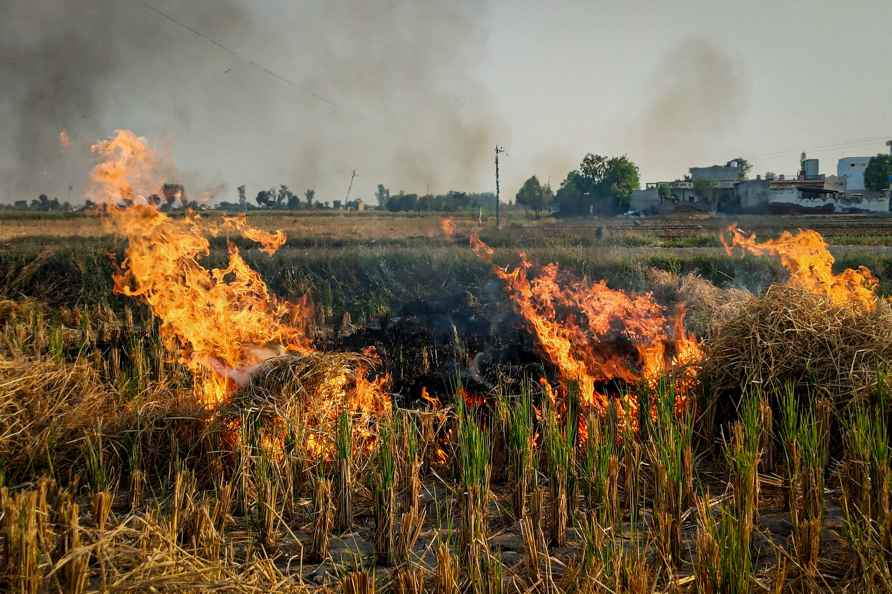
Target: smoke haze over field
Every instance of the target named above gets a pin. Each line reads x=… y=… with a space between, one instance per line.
x=415 y=94
x=388 y=88
x=702 y=99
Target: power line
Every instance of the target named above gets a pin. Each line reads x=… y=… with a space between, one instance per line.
x=236 y=54
x=855 y=142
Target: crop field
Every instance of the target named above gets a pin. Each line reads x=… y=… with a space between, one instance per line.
x=370 y=402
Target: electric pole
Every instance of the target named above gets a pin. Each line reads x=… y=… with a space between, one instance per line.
x=499 y=150
x=350 y=187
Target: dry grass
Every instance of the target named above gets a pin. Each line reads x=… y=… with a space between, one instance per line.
x=788 y=335
x=297 y=400
x=706 y=305
x=45 y=406
x=113 y=480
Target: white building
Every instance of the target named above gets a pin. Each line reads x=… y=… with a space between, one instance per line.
x=852 y=169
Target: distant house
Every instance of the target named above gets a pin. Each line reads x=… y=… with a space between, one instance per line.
x=797 y=195
x=646 y=201
x=357 y=205
x=852 y=170
x=723 y=176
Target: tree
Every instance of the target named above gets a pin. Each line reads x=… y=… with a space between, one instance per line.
x=601 y=184
x=309 y=196
x=533 y=195
x=283 y=196
x=876 y=176
x=382 y=195
x=572 y=197
x=622 y=179
x=705 y=190
x=242 y=198
x=743 y=165
x=264 y=199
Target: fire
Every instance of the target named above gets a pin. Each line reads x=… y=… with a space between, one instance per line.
x=808 y=260
x=595 y=335
x=447 y=227
x=222 y=322
x=64 y=139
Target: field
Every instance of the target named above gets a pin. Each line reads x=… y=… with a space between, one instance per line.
x=445 y=418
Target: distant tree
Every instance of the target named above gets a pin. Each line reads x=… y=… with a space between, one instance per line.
x=282 y=196
x=705 y=190
x=533 y=196
x=293 y=201
x=876 y=176
x=547 y=196
x=573 y=197
x=242 y=197
x=402 y=202
x=382 y=195
x=601 y=184
x=622 y=178
x=309 y=196
x=743 y=165
x=264 y=199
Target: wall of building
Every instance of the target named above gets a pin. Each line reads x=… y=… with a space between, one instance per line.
x=753 y=195
x=792 y=197
x=716 y=173
x=852 y=169
x=645 y=200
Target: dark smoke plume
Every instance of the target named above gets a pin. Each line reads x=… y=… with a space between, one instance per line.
x=255 y=93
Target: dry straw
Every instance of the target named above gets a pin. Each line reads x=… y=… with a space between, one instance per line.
x=789 y=335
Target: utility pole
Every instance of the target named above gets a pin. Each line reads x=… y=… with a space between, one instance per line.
x=350 y=187
x=499 y=150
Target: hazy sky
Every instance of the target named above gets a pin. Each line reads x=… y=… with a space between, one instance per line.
x=414 y=94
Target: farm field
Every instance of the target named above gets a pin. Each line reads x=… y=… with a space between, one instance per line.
x=408 y=404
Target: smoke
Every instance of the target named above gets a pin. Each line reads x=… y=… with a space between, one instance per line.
x=64 y=66
x=255 y=93
x=699 y=94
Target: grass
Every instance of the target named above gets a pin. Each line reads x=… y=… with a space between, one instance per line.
x=112 y=479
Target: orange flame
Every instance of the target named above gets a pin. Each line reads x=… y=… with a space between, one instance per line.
x=808 y=260
x=222 y=322
x=594 y=335
x=447 y=227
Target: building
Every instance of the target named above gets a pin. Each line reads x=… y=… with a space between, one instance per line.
x=726 y=191
x=852 y=170
x=646 y=201
x=725 y=175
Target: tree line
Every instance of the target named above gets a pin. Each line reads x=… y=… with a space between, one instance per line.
x=452 y=201
x=600 y=185
x=878 y=173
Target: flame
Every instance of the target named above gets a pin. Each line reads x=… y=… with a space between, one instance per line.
x=447 y=227
x=807 y=258
x=64 y=139
x=595 y=335
x=470 y=399
x=221 y=322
